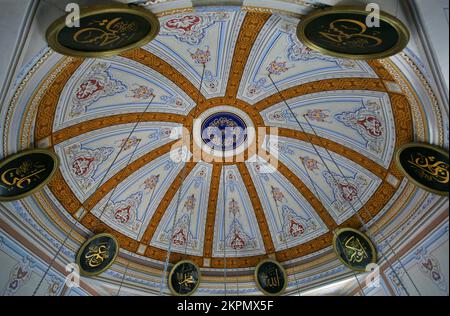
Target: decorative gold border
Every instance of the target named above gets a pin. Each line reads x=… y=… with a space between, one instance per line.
x=282 y=270
x=59 y=24
x=172 y=271
x=401 y=29
x=348 y=229
x=43 y=183
x=400 y=167
x=86 y=243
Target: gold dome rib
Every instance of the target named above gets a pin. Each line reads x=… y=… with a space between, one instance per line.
x=250 y=29
x=99 y=123
x=166 y=70
x=126 y=172
x=337 y=148
x=257 y=208
x=212 y=208
x=164 y=204
x=367 y=84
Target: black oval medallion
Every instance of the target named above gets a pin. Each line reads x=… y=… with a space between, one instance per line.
x=425 y=165
x=184 y=278
x=104 y=31
x=97 y=254
x=25 y=173
x=354 y=249
x=343 y=32
x=270 y=277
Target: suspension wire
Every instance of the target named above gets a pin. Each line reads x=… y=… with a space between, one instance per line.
x=166 y=263
x=123 y=278
x=73 y=225
x=223 y=215
x=366 y=211
x=54 y=5
x=331 y=173
x=234 y=215
x=285 y=239
x=323 y=203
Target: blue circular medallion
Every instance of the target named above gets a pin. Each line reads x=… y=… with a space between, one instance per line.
x=224 y=125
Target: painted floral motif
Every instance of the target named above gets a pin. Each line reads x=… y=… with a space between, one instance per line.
x=275 y=146
x=125 y=212
x=201 y=56
x=96 y=84
x=277 y=195
x=20 y=274
x=211 y=81
x=296 y=51
x=233 y=208
x=367 y=122
x=173 y=101
x=237 y=238
x=182 y=235
x=190 y=202
x=396 y=282
x=54 y=285
x=318 y=115
x=141 y=92
x=294 y=225
x=281 y=116
x=151 y=182
x=84 y=162
x=277 y=67
x=128 y=143
x=256 y=87
x=190 y=28
x=430 y=266
x=346 y=190
x=310 y=163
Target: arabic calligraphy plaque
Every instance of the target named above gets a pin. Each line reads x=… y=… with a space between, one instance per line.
x=343 y=32
x=103 y=31
x=184 y=278
x=97 y=254
x=270 y=277
x=25 y=173
x=425 y=165
x=354 y=249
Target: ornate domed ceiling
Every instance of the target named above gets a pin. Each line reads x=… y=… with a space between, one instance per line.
x=281 y=200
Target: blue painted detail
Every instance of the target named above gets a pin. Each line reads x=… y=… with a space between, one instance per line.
x=234 y=127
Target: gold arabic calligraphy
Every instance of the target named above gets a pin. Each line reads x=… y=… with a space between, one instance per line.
x=354 y=250
x=22 y=176
x=97 y=254
x=185 y=279
x=350 y=33
x=432 y=168
x=106 y=32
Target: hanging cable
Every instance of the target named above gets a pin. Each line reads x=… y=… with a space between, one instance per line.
x=183 y=178
x=223 y=216
x=326 y=166
x=72 y=227
x=363 y=209
x=320 y=199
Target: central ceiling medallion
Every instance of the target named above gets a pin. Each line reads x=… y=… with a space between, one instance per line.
x=223 y=131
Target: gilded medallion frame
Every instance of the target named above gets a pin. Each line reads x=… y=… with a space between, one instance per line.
x=176 y=265
x=42 y=184
x=283 y=270
x=85 y=244
x=399 y=26
x=372 y=247
x=60 y=23
x=410 y=178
